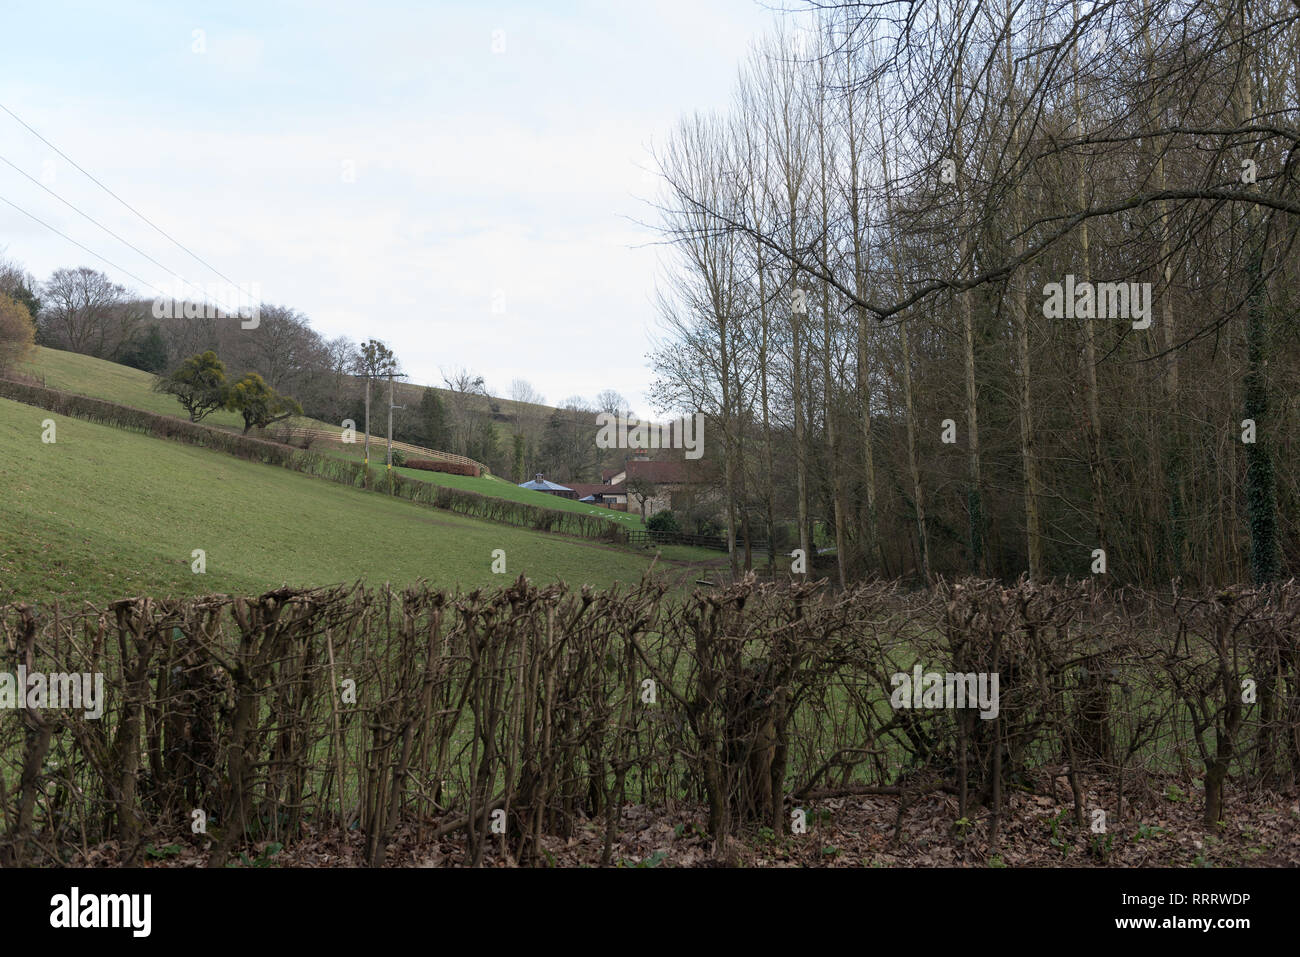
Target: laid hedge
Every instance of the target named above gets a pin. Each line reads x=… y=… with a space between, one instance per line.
x=505 y=511
x=162 y=426
x=451 y=468
x=473 y=504
x=770 y=696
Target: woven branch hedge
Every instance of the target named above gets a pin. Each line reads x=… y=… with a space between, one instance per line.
x=546 y=708
x=325 y=467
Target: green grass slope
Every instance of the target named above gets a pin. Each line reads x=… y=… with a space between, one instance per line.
x=104 y=513
x=100 y=379
x=500 y=488
x=83 y=375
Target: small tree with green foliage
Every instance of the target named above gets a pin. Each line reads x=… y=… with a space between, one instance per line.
x=199 y=385
x=374 y=359
x=259 y=404
x=517 y=467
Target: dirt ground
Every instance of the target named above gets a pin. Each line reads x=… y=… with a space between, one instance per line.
x=1161 y=827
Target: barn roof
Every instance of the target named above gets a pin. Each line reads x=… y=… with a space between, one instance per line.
x=586 y=488
x=540 y=484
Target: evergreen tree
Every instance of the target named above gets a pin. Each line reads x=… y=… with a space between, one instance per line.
x=484 y=445
x=199 y=385
x=518 y=467
x=433 y=421
x=148 y=353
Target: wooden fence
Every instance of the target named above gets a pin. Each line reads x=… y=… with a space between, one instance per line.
x=714 y=542
x=336 y=437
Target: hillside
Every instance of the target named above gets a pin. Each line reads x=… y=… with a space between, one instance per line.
x=103 y=513
x=73 y=372
x=84 y=375
x=501 y=488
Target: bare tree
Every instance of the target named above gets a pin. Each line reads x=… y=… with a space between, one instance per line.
x=612 y=402
x=85 y=311
x=1024 y=145
x=283 y=347
x=521 y=390
x=467 y=393
x=705 y=308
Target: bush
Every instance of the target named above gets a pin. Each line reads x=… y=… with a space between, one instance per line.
x=451 y=468
x=710 y=528
x=17 y=333
x=199 y=384
x=664 y=521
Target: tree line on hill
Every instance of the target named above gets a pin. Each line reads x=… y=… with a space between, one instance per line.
x=288 y=368
x=875 y=243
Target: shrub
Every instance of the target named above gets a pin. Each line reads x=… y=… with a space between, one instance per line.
x=17 y=332
x=710 y=527
x=451 y=468
x=664 y=521
x=723 y=654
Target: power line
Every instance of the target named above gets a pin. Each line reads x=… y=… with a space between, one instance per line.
x=79 y=245
x=118 y=198
x=125 y=242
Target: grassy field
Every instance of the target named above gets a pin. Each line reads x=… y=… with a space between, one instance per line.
x=491 y=485
x=104 y=513
x=83 y=375
x=71 y=372
x=500 y=488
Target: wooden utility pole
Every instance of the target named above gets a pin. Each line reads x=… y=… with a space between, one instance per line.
x=366 y=455
x=388 y=455
x=374 y=359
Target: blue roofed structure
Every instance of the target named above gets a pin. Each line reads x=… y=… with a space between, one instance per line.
x=540 y=484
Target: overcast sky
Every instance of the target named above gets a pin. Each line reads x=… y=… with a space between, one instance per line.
x=376 y=165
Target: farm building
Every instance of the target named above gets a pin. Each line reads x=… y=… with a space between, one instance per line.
x=652 y=486
x=540 y=484
x=612 y=496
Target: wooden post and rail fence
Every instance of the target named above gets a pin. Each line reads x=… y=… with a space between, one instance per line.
x=716 y=542
x=415 y=451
